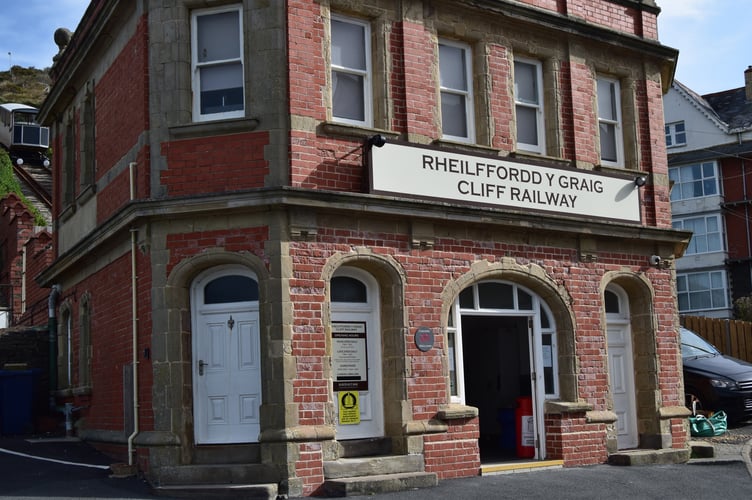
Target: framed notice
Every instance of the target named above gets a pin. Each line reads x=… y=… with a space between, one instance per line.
x=349 y=356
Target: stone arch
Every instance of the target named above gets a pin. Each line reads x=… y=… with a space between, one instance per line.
x=640 y=294
x=536 y=280
x=391 y=279
x=172 y=352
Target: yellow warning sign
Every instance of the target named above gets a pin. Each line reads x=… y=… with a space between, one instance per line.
x=349 y=407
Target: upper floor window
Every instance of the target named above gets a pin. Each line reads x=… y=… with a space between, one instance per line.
x=456 y=86
x=528 y=104
x=676 y=135
x=351 y=71
x=217 y=63
x=609 y=122
x=699 y=291
x=693 y=181
x=706 y=235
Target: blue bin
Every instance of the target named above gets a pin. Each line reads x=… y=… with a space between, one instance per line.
x=16 y=396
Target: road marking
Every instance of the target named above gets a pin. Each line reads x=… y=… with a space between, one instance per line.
x=64 y=462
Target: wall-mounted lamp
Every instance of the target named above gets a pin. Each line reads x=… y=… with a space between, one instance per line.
x=655 y=260
x=640 y=180
x=377 y=140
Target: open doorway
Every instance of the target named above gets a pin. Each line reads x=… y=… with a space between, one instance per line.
x=502 y=354
x=497 y=377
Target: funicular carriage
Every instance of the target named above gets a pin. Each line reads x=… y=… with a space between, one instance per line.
x=21 y=135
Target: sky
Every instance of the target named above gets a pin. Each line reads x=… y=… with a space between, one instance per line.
x=713 y=37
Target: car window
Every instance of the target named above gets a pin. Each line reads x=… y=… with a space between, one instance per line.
x=694 y=345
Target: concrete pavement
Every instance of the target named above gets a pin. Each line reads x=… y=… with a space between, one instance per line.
x=61 y=469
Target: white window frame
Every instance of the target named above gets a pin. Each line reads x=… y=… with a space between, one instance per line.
x=673 y=135
x=196 y=66
x=675 y=174
x=697 y=236
x=615 y=122
x=536 y=106
x=365 y=73
x=683 y=290
x=467 y=93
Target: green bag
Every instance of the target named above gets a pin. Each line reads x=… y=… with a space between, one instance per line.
x=702 y=426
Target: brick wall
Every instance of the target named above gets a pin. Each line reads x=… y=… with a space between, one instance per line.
x=215 y=164
x=109 y=292
x=122 y=102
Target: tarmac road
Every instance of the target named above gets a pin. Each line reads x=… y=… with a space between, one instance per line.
x=70 y=469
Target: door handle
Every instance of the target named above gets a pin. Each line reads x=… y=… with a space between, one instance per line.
x=201 y=365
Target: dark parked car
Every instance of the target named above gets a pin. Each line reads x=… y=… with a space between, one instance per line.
x=713 y=381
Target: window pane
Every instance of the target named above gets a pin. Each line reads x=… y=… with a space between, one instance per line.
x=221 y=88
x=709 y=186
x=683 y=302
x=525 y=83
x=545 y=322
x=719 y=298
x=231 y=289
x=452 y=67
x=452 y=363
x=700 y=300
x=608 y=141
x=524 y=300
x=606 y=100
x=495 y=296
x=346 y=289
x=716 y=280
x=527 y=128
x=690 y=172
x=348 y=48
x=453 y=118
x=714 y=242
x=699 y=281
x=348 y=96
x=611 y=302
x=467 y=301
x=218 y=36
x=681 y=283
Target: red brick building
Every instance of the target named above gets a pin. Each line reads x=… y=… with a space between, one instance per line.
x=436 y=235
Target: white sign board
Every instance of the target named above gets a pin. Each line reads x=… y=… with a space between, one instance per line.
x=349 y=356
x=424 y=172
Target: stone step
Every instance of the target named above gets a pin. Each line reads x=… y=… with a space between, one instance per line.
x=217 y=474
x=365 y=447
x=231 y=491
x=650 y=457
x=384 y=483
x=370 y=466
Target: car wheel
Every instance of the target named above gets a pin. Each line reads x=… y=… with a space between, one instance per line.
x=693 y=401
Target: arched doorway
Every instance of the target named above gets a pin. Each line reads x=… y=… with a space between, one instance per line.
x=621 y=365
x=502 y=354
x=356 y=354
x=226 y=360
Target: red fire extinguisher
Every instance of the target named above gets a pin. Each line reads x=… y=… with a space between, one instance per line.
x=525 y=427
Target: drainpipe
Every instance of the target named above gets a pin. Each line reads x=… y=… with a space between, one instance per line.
x=52 y=331
x=134 y=312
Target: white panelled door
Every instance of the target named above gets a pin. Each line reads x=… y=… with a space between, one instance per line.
x=228 y=378
x=355 y=306
x=226 y=356
x=621 y=369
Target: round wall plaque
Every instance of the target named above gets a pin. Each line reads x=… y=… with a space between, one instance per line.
x=424 y=338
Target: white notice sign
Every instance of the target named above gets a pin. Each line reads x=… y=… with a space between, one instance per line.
x=424 y=172
x=349 y=356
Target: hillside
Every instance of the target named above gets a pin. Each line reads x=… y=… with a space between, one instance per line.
x=24 y=85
